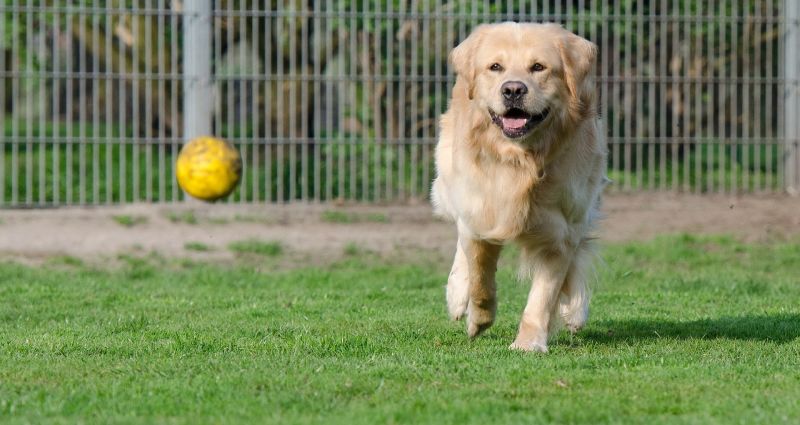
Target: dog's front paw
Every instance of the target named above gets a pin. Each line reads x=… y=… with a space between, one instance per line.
x=530 y=346
x=457 y=292
x=457 y=300
x=574 y=319
x=530 y=338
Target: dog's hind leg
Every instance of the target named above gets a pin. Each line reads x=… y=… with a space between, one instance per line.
x=550 y=268
x=573 y=305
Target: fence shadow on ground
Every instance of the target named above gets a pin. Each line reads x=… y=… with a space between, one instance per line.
x=780 y=328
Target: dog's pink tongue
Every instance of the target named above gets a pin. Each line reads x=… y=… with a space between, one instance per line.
x=514 y=123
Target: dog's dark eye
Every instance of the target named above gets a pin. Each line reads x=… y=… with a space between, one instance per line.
x=496 y=67
x=537 y=67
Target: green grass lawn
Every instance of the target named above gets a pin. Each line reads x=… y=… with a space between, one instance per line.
x=683 y=329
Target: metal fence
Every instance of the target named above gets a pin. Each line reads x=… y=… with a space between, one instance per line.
x=338 y=99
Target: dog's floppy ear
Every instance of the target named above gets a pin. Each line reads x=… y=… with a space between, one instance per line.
x=578 y=56
x=461 y=57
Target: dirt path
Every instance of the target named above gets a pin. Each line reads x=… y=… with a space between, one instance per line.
x=324 y=232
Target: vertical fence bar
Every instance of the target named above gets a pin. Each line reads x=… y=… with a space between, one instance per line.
x=346 y=73
x=734 y=89
x=109 y=116
x=698 y=96
x=652 y=141
x=674 y=73
x=685 y=133
x=605 y=74
x=638 y=123
x=197 y=88
x=291 y=134
x=432 y=88
x=613 y=100
x=147 y=73
x=431 y=132
x=82 y=109
x=96 y=167
x=70 y=68
x=780 y=98
x=770 y=130
x=662 y=22
x=243 y=78
x=227 y=126
x=400 y=132
x=175 y=132
x=365 y=165
x=161 y=29
x=380 y=142
x=122 y=117
x=304 y=125
x=627 y=124
x=414 y=92
x=721 y=101
x=220 y=83
x=320 y=26
x=791 y=90
x=15 y=96
x=330 y=146
x=280 y=111
x=254 y=89
x=389 y=118
x=41 y=142
x=135 y=72
x=27 y=90
x=713 y=87
x=746 y=135
x=757 y=97
x=82 y=180
x=3 y=117
x=352 y=114
x=268 y=111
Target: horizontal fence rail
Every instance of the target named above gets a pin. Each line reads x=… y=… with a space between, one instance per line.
x=339 y=100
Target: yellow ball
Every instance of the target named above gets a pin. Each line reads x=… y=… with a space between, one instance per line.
x=208 y=168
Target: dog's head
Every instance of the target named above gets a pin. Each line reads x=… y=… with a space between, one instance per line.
x=525 y=76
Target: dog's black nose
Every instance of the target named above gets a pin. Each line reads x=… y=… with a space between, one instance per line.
x=513 y=90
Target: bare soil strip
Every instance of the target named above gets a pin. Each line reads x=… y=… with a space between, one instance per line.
x=325 y=232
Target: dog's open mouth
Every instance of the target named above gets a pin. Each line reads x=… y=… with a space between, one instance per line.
x=516 y=123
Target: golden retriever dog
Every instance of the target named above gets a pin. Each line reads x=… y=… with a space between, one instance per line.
x=520 y=159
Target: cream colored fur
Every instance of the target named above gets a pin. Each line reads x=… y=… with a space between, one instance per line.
x=541 y=191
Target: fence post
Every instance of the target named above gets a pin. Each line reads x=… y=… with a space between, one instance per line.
x=197 y=88
x=791 y=75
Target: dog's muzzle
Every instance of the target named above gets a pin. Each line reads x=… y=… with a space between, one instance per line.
x=516 y=122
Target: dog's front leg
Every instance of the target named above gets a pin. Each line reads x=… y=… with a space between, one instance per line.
x=458 y=285
x=550 y=269
x=481 y=260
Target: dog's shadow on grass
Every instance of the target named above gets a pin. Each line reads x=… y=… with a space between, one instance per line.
x=778 y=328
